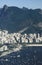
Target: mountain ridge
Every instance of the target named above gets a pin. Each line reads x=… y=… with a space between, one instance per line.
x=15 y=19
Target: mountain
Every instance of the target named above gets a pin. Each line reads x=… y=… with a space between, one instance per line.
x=16 y=19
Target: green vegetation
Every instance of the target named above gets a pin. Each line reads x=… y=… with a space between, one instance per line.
x=15 y=19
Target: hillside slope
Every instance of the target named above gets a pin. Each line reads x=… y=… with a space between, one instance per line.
x=15 y=19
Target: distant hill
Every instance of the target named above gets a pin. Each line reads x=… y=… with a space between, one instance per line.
x=16 y=19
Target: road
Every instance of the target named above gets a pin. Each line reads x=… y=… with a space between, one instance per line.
x=34 y=45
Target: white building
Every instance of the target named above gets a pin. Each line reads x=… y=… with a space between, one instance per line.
x=3 y=48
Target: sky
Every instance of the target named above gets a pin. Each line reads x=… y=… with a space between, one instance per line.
x=31 y=4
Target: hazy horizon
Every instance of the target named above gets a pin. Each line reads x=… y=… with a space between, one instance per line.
x=31 y=4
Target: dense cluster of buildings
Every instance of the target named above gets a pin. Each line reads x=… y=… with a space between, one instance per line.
x=12 y=38
x=5 y=37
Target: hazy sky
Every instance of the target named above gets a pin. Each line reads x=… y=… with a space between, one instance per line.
x=20 y=3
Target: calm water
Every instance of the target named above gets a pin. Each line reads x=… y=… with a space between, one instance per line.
x=26 y=56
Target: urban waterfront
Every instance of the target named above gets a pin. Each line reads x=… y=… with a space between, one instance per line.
x=26 y=56
x=20 y=32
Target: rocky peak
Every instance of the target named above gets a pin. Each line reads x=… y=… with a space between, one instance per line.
x=5 y=7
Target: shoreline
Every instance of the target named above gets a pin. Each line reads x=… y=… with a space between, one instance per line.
x=34 y=45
